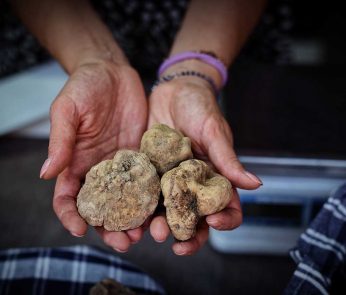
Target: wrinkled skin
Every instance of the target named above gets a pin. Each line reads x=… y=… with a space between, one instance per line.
x=188 y=105
x=192 y=190
x=120 y=194
x=165 y=147
x=102 y=108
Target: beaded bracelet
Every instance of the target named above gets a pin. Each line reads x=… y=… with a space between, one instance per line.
x=206 y=57
x=172 y=76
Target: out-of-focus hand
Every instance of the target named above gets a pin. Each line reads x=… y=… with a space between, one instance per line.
x=102 y=108
x=188 y=104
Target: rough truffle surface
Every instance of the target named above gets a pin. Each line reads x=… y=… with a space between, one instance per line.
x=120 y=194
x=190 y=191
x=165 y=147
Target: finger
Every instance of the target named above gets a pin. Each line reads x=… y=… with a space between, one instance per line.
x=147 y=223
x=135 y=234
x=159 y=229
x=191 y=246
x=63 y=117
x=64 y=204
x=229 y=218
x=119 y=241
x=220 y=151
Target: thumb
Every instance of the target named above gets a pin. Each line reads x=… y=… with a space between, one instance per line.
x=63 y=118
x=221 y=153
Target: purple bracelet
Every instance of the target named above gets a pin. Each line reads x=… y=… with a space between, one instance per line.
x=172 y=76
x=207 y=58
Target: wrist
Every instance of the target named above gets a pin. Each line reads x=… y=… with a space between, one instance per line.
x=195 y=65
x=189 y=67
x=96 y=55
x=71 y=31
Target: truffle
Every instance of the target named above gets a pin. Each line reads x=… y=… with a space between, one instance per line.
x=110 y=287
x=190 y=191
x=120 y=194
x=165 y=147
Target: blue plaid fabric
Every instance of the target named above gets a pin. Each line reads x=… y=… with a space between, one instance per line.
x=321 y=251
x=67 y=270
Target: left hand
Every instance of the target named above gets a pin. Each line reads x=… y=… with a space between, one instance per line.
x=188 y=104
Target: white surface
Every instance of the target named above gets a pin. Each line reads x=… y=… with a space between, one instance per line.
x=25 y=98
x=305 y=162
x=294 y=187
x=255 y=239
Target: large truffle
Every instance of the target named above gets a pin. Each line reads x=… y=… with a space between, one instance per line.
x=165 y=147
x=190 y=191
x=120 y=194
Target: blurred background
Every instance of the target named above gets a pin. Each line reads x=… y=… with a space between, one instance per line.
x=286 y=104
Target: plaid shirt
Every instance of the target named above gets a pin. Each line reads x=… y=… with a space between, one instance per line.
x=67 y=270
x=321 y=251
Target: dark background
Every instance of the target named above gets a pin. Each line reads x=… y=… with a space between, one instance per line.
x=298 y=108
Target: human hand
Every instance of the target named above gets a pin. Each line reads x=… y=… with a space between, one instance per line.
x=101 y=109
x=189 y=105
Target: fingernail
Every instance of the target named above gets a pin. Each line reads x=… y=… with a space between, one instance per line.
x=160 y=238
x=212 y=221
x=160 y=241
x=118 y=250
x=253 y=177
x=179 y=250
x=44 y=167
x=77 y=235
x=180 y=253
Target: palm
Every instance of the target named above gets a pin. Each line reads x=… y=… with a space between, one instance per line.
x=111 y=115
x=192 y=110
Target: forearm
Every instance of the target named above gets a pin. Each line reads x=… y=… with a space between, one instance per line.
x=221 y=27
x=70 y=30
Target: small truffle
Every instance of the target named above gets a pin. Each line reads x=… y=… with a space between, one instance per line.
x=190 y=191
x=120 y=194
x=165 y=147
x=110 y=287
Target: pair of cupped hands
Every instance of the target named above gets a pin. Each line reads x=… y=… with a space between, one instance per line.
x=103 y=108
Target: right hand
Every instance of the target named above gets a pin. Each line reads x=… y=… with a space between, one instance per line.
x=102 y=108
x=189 y=105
